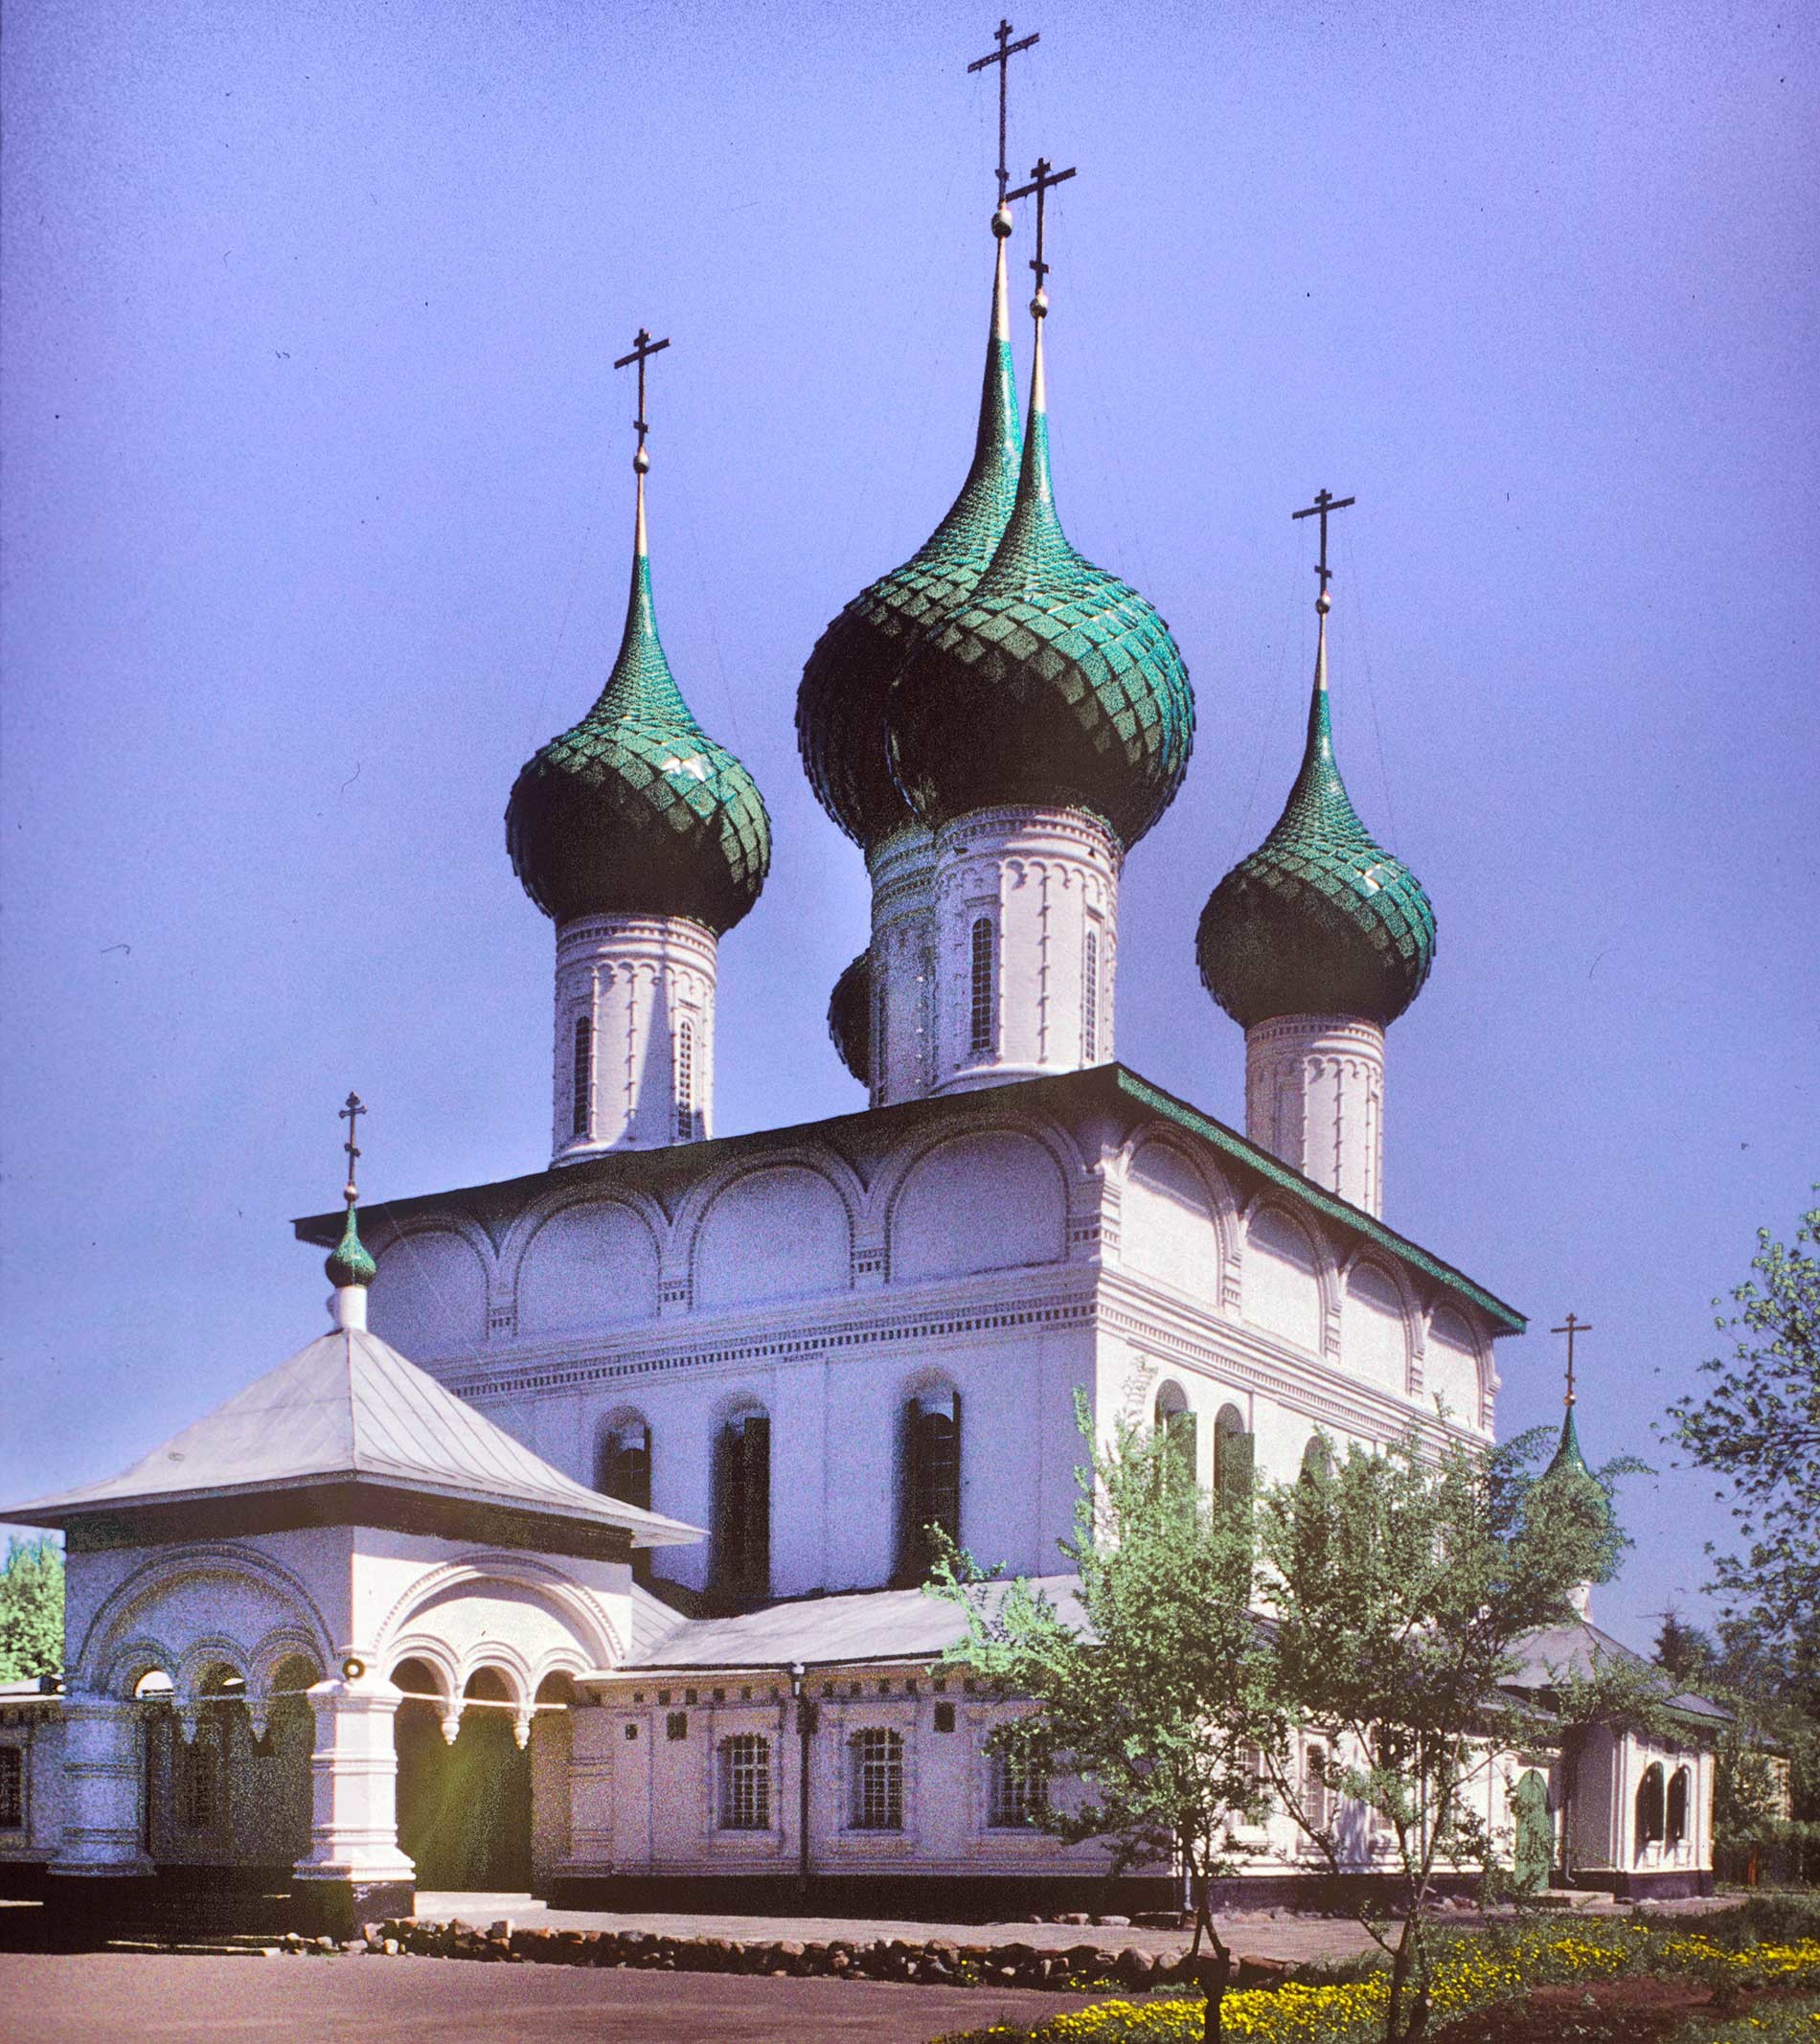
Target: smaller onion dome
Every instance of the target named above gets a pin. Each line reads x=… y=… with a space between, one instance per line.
x=850 y=1018
x=1054 y=684
x=840 y=705
x=635 y=810
x=1320 y=920
x=348 y=1261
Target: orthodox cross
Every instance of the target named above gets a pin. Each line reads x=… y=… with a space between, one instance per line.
x=1002 y=57
x=1325 y=501
x=643 y=349
x=1572 y=1327
x=1041 y=176
x=350 y=1114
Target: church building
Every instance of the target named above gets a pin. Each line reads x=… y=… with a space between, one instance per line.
x=610 y=1591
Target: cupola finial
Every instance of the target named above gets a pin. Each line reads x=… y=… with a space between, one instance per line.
x=350 y=1268
x=1002 y=57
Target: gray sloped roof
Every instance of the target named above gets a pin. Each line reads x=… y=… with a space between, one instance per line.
x=1572 y=1649
x=859 y=1626
x=350 y=1408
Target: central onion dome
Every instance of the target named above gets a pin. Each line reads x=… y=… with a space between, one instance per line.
x=1053 y=685
x=635 y=810
x=1320 y=920
x=840 y=705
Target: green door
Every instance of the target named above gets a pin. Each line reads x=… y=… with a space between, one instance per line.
x=1535 y=1834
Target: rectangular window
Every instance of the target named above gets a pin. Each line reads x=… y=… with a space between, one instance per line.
x=1317 y=1799
x=1090 y=1000
x=877 y=1781
x=745 y=1783
x=744 y=1555
x=676 y=1725
x=685 y=1082
x=582 y=1077
x=199 y=1781
x=983 y=1033
x=881 y=1047
x=1018 y=1792
x=11 y=1789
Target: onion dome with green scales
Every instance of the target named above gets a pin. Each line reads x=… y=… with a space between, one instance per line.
x=840 y=705
x=1320 y=920
x=1052 y=685
x=349 y=1261
x=850 y=1018
x=635 y=810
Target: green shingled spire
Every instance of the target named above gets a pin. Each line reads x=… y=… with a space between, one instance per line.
x=1054 y=684
x=635 y=810
x=348 y=1261
x=1320 y=920
x=1568 y=1456
x=840 y=705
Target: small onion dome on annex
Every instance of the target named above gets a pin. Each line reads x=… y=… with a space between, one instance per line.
x=846 y=679
x=635 y=810
x=1054 y=684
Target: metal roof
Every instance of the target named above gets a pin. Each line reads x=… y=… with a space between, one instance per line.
x=349 y=1407
x=1571 y=1650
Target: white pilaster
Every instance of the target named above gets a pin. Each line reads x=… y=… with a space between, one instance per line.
x=904 y=965
x=1315 y=1097
x=354 y=1832
x=644 y=986
x=103 y=1787
x=1026 y=913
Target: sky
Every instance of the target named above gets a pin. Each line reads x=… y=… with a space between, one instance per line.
x=316 y=520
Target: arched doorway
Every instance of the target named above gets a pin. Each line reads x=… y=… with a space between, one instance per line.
x=1534 y=1853
x=463 y=1809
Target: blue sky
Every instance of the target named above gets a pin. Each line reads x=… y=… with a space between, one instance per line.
x=316 y=519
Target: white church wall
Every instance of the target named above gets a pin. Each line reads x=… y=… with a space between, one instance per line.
x=1166 y=1225
x=988 y=1201
x=1280 y=1279
x=1450 y=1368
x=430 y=1296
x=779 y=1231
x=1374 y=1331
x=589 y=1265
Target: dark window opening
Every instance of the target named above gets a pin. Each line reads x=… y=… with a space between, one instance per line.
x=983 y=1032
x=582 y=1077
x=742 y=1529
x=930 y=1481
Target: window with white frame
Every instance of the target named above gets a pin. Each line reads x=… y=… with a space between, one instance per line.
x=746 y=1783
x=685 y=1082
x=1317 y=1798
x=581 y=1076
x=1017 y=1790
x=876 y=1797
x=982 y=1029
x=1090 y=1000
x=11 y=1789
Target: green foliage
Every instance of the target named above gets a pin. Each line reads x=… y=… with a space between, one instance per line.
x=1758 y=1428
x=30 y=1609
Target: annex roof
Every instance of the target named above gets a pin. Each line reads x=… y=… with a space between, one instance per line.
x=349 y=1408
x=666 y=1173
x=1572 y=1649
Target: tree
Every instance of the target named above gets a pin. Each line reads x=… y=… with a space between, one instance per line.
x=1403 y=1583
x=30 y=1609
x=1758 y=1428
x=1160 y=1704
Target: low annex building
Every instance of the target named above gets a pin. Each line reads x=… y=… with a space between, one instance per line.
x=609 y=1590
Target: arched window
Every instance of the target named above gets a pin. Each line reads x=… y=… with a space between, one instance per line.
x=1017 y=1791
x=1177 y=1424
x=685 y=1082
x=746 y=1783
x=930 y=1485
x=581 y=1076
x=1232 y=1455
x=742 y=1515
x=1090 y=1000
x=1650 y=1813
x=622 y=1467
x=11 y=1789
x=875 y=1785
x=983 y=1033
x=1317 y=1461
x=1676 y=1821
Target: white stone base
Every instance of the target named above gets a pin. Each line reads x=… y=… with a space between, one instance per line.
x=1315 y=1097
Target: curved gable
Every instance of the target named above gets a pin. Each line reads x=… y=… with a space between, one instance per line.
x=990 y=1201
x=593 y=1265
x=430 y=1295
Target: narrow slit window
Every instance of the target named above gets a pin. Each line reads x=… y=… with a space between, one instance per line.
x=685 y=1082
x=1090 y=1000
x=984 y=1017
x=880 y=1045
x=580 y=1083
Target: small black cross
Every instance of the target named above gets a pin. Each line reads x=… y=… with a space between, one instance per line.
x=1572 y=1327
x=1325 y=501
x=350 y=1114
x=1002 y=57
x=643 y=349
x=1041 y=177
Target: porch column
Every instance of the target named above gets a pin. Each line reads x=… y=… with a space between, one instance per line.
x=101 y=1869
x=354 y=1871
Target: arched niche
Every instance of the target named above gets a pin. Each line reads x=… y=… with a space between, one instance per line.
x=1282 y=1285
x=992 y=1201
x=430 y=1295
x=1167 y=1228
x=1450 y=1366
x=780 y=1232
x=590 y=1265
x=1374 y=1339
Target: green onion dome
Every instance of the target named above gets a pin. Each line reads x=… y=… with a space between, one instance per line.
x=850 y=1018
x=840 y=705
x=636 y=811
x=348 y=1262
x=1320 y=920
x=1053 y=685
